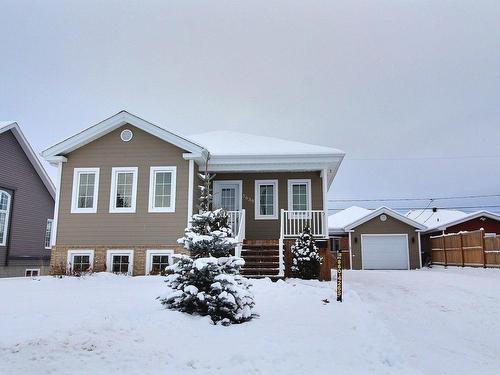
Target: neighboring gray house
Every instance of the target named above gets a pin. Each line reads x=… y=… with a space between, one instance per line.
x=26 y=206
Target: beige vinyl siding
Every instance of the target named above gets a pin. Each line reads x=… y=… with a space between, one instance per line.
x=390 y=226
x=141 y=227
x=270 y=229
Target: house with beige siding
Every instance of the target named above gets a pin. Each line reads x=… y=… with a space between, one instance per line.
x=126 y=190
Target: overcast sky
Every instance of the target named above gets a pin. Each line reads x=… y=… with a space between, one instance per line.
x=410 y=90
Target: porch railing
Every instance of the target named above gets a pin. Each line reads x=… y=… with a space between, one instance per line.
x=237 y=223
x=294 y=222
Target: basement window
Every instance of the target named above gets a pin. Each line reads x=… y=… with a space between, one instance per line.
x=32 y=272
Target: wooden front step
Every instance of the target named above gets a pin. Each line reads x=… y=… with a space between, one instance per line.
x=261 y=259
x=260 y=271
x=259 y=253
x=257 y=264
x=260 y=247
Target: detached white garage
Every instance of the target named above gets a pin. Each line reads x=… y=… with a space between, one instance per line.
x=385 y=251
x=384 y=240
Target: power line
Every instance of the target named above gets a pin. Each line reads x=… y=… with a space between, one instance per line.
x=427 y=158
x=414 y=199
x=423 y=208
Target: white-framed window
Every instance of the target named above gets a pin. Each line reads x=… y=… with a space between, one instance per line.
x=120 y=261
x=85 y=190
x=299 y=195
x=123 y=190
x=162 y=182
x=32 y=272
x=335 y=243
x=80 y=261
x=4 y=216
x=48 y=234
x=158 y=260
x=266 y=199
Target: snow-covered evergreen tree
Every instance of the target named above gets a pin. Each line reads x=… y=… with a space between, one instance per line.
x=209 y=282
x=210 y=232
x=210 y=286
x=306 y=260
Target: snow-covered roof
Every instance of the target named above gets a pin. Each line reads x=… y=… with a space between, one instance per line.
x=466 y=217
x=234 y=151
x=386 y=211
x=236 y=143
x=434 y=216
x=32 y=157
x=229 y=151
x=338 y=221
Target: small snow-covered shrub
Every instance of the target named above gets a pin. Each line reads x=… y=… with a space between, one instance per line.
x=306 y=260
x=209 y=286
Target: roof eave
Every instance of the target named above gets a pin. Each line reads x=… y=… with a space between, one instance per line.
x=113 y=122
x=387 y=211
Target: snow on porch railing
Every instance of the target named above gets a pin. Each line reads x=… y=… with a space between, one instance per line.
x=293 y=223
x=237 y=223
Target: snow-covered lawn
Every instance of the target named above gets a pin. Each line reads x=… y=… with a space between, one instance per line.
x=420 y=322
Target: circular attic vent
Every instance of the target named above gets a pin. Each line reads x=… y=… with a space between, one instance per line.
x=126 y=135
x=383 y=217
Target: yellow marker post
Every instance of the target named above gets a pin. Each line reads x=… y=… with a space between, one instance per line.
x=339 y=276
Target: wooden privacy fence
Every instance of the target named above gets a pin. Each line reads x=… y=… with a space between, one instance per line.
x=466 y=249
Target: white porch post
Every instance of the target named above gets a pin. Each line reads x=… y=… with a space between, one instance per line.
x=419 y=249
x=350 y=251
x=190 y=191
x=324 y=180
x=281 y=260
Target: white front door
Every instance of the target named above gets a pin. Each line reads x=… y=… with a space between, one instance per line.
x=227 y=195
x=384 y=252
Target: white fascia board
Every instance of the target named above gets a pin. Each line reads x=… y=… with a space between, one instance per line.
x=386 y=211
x=320 y=158
x=334 y=231
x=104 y=127
x=274 y=163
x=55 y=160
x=33 y=158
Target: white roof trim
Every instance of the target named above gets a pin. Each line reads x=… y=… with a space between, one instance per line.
x=471 y=216
x=104 y=127
x=264 y=161
x=274 y=163
x=33 y=158
x=387 y=211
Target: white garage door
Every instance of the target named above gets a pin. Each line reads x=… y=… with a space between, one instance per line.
x=384 y=252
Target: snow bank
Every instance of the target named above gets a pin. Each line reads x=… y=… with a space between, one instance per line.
x=413 y=322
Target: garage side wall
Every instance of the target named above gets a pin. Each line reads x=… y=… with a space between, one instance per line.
x=390 y=226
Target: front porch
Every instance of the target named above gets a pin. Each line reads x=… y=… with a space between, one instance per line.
x=270 y=257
